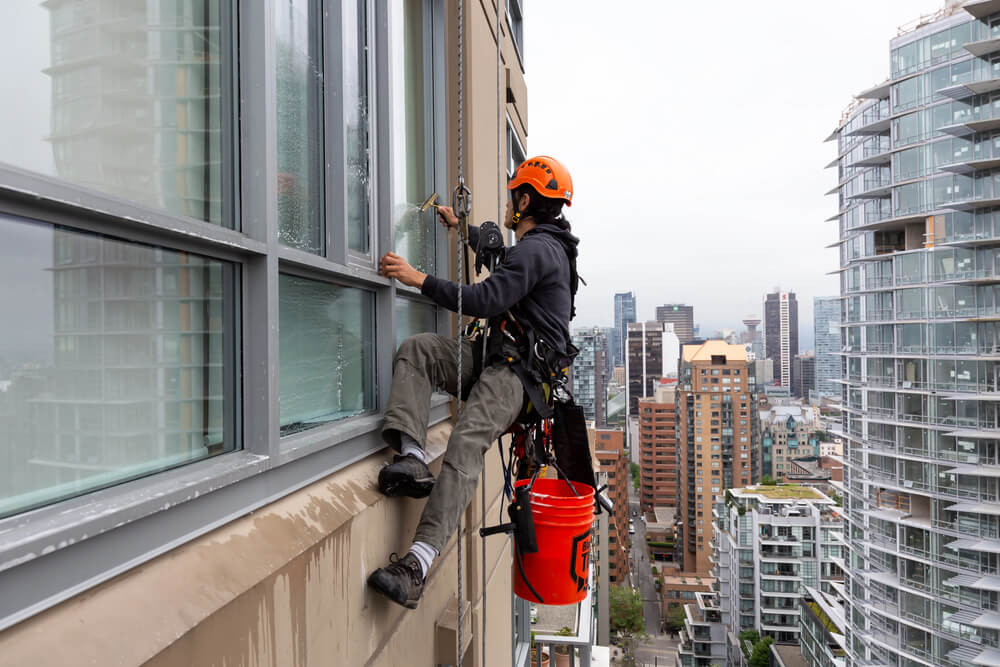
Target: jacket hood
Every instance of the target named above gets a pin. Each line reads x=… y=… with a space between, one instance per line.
x=564 y=236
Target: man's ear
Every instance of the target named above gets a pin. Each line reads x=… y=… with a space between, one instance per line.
x=524 y=202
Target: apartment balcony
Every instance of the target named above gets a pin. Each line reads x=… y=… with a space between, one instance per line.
x=875 y=120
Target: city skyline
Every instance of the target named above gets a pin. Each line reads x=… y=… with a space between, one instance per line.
x=765 y=227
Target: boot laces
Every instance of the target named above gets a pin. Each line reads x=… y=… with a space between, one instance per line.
x=404 y=567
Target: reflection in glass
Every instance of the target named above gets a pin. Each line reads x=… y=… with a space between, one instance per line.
x=356 y=119
x=327 y=357
x=413 y=317
x=413 y=162
x=116 y=367
x=299 y=96
x=122 y=97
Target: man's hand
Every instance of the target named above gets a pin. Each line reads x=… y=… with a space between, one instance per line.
x=447 y=217
x=393 y=266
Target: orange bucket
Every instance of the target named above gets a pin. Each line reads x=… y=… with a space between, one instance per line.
x=559 y=571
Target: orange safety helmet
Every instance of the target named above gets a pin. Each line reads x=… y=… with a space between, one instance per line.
x=547 y=176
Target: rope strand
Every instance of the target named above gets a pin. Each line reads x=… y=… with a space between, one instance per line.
x=461 y=267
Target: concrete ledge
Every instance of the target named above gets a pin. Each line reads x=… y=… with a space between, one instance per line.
x=268 y=588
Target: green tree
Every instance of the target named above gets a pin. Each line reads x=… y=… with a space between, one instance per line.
x=625 y=611
x=634 y=468
x=625 y=616
x=761 y=656
x=675 y=620
x=768 y=481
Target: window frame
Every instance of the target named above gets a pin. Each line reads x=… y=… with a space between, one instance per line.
x=515 y=24
x=55 y=552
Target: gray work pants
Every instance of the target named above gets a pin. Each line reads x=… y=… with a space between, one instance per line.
x=426 y=362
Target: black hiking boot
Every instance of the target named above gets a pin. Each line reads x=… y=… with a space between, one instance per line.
x=406 y=476
x=401 y=580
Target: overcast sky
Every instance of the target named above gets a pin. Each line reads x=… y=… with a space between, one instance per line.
x=694 y=133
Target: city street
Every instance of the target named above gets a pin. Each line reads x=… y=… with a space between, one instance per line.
x=643 y=574
x=659 y=649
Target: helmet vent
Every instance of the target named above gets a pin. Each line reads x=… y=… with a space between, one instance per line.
x=552 y=185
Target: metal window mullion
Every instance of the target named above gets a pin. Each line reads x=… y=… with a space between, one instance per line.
x=380 y=106
x=46 y=199
x=304 y=263
x=258 y=146
x=335 y=140
x=439 y=137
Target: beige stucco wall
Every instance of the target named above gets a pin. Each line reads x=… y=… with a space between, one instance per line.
x=282 y=586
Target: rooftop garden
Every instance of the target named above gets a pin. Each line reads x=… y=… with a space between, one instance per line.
x=784 y=492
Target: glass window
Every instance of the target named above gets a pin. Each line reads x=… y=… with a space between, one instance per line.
x=940 y=46
x=117 y=368
x=299 y=96
x=412 y=145
x=126 y=98
x=908 y=163
x=906 y=58
x=906 y=93
x=356 y=118
x=326 y=354
x=413 y=317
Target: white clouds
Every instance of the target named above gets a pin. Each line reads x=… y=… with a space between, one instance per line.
x=694 y=134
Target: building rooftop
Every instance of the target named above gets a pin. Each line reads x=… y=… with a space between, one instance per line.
x=781 y=492
x=682 y=580
x=788 y=655
x=713 y=348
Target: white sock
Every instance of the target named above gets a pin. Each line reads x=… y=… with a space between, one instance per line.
x=425 y=553
x=411 y=447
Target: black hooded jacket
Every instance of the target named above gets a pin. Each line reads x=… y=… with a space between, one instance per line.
x=533 y=280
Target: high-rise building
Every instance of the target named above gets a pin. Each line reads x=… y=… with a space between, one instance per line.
x=715 y=405
x=803 y=374
x=609 y=356
x=652 y=351
x=624 y=314
x=919 y=232
x=753 y=337
x=609 y=450
x=781 y=333
x=588 y=375
x=826 y=330
x=772 y=543
x=681 y=316
x=658 y=448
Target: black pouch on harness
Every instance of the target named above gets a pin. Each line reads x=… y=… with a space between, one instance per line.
x=570 y=444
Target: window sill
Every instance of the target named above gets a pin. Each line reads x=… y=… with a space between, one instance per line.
x=51 y=554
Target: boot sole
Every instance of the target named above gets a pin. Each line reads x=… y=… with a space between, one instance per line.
x=375 y=581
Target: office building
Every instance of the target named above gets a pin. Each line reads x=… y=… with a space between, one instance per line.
x=658 y=448
x=681 y=316
x=781 y=334
x=919 y=229
x=624 y=315
x=826 y=329
x=716 y=399
x=652 y=353
x=803 y=375
x=772 y=544
x=588 y=375
x=609 y=450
